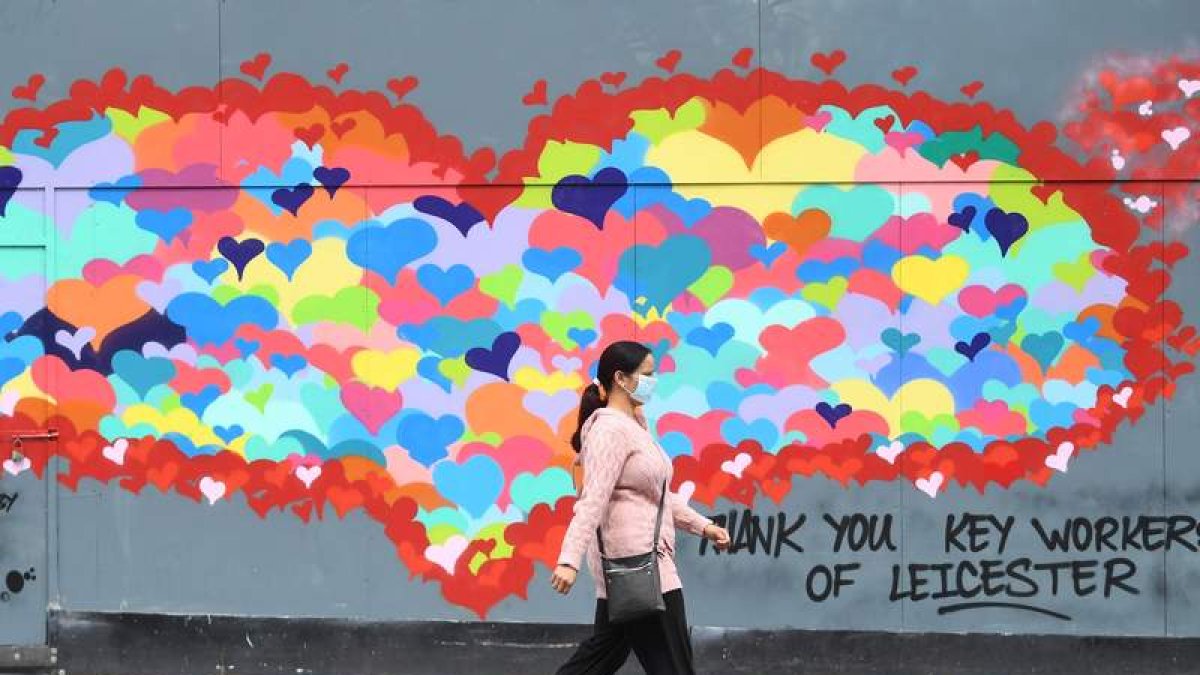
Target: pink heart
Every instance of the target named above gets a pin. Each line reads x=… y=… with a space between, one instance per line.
x=901 y=141
x=888 y=453
x=736 y=465
x=819 y=121
x=369 y=405
x=446 y=554
x=212 y=489
x=116 y=451
x=932 y=484
x=1189 y=87
x=1121 y=398
x=1058 y=461
x=308 y=474
x=1175 y=137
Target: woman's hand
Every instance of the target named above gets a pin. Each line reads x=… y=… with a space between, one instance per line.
x=563 y=578
x=717 y=535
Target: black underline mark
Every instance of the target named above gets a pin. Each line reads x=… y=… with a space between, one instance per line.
x=946 y=609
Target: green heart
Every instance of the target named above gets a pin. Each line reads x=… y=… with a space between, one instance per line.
x=1075 y=274
x=259 y=397
x=168 y=403
x=528 y=490
x=455 y=370
x=914 y=422
x=826 y=294
x=557 y=325
x=713 y=284
x=656 y=125
x=356 y=306
x=503 y=285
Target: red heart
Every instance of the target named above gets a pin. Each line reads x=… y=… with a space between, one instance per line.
x=256 y=66
x=970 y=90
x=669 y=60
x=828 y=62
x=29 y=90
x=613 y=79
x=340 y=127
x=742 y=58
x=402 y=86
x=964 y=160
x=537 y=95
x=47 y=137
x=337 y=72
x=1043 y=192
x=904 y=75
x=885 y=123
x=311 y=135
x=163 y=475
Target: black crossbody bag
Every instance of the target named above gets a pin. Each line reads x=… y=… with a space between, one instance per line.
x=632 y=583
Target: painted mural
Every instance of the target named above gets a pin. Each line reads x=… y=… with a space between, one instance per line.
x=279 y=292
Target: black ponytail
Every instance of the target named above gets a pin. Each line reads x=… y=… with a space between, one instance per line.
x=619 y=357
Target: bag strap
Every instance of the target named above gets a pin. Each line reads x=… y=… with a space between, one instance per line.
x=662 y=497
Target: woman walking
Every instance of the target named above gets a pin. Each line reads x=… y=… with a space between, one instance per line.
x=616 y=524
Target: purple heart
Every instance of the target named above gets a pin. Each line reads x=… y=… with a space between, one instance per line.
x=832 y=414
x=496 y=359
x=1007 y=228
x=590 y=198
x=159 y=295
x=76 y=341
x=330 y=178
x=976 y=345
x=462 y=216
x=962 y=219
x=10 y=178
x=292 y=199
x=240 y=253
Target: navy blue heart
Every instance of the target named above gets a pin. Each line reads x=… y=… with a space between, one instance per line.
x=10 y=178
x=1007 y=228
x=330 y=178
x=462 y=216
x=962 y=219
x=496 y=359
x=833 y=414
x=292 y=199
x=972 y=348
x=590 y=198
x=240 y=253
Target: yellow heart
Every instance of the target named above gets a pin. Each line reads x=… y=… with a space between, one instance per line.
x=530 y=379
x=385 y=370
x=929 y=397
x=930 y=280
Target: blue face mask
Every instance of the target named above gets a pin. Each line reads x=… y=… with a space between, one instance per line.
x=644 y=389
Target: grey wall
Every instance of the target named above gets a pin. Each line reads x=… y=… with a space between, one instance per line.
x=110 y=550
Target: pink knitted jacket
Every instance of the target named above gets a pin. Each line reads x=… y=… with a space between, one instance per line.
x=623 y=472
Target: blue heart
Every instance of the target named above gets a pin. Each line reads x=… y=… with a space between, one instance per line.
x=10 y=367
x=676 y=444
x=230 y=433
x=473 y=485
x=815 y=271
x=246 y=347
x=288 y=257
x=446 y=284
x=289 y=364
x=711 y=339
x=879 y=256
x=199 y=401
x=497 y=359
x=166 y=225
x=428 y=368
x=1082 y=332
x=115 y=193
x=209 y=322
x=551 y=264
x=9 y=322
x=767 y=255
x=724 y=395
x=582 y=336
x=209 y=270
x=387 y=250
x=425 y=438
x=735 y=430
x=140 y=373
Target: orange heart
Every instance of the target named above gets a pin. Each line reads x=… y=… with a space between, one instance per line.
x=798 y=232
x=105 y=308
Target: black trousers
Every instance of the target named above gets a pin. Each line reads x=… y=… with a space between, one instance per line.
x=661 y=643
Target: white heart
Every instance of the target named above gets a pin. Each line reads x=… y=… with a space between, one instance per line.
x=932 y=484
x=1175 y=137
x=1118 y=162
x=212 y=489
x=1146 y=109
x=1189 y=87
x=446 y=555
x=18 y=466
x=1121 y=398
x=116 y=452
x=1058 y=461
x=1142 y=204
x=737 y=465
x=8 y=401
x=889 y=452
x=308 y=474
x=686 y=490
